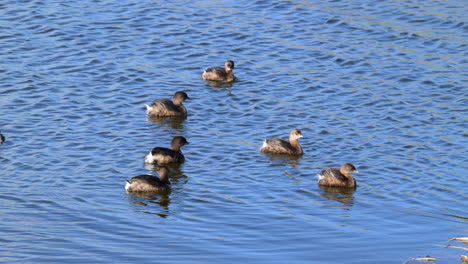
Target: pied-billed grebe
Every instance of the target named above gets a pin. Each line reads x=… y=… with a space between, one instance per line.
x=150 y=183
x=165 y=107
x=338 y=177
x=220 y=74
x=161 y=155
x=281 y=146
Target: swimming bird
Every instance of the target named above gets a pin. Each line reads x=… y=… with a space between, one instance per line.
x=161 y=156
x=338 y=177
x=165 y=107
x=2 y=138
x=281 y=146
x=220 y=74
x=150 y=183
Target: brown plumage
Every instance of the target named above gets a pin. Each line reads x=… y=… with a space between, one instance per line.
x=165 y=107
x=220 y=74
x=281 y=146
x=162 y=156
x=150 y=183
x=338 y=177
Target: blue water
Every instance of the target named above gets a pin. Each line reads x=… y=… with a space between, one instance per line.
x=382 y=85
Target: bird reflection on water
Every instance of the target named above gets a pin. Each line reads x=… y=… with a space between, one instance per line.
x=281 y=159
x=147 y=199
x=173 y=122
x=339 y=194
x=216 y=84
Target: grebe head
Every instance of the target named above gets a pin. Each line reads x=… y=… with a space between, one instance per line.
x=348 y=168
x=229 y=65
x=295 y=134
x=179 y=97
x=178 y=142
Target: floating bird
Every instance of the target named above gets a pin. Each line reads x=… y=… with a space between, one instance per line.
x=220 y=74
x=165 y=107
x=150 y=183
x=281 y=146
x=162 y=156
x=338 y=177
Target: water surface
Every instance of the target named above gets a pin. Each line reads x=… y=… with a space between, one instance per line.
x=379 y=84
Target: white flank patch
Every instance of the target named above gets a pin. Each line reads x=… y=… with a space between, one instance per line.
x=149 y=158
x=148 y=108
x=264 y=144
x=127 y=185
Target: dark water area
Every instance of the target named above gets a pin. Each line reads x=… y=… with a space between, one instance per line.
x=382 y=85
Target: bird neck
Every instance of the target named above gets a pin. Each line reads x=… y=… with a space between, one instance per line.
x=347 y=175
x=176 y=147
x=163 y=176
x=295 y=144
x=177 y=101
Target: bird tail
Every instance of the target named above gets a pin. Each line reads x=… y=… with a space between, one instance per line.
x=264 y=144
x=320 y=176
x=149 y=158
x=148 y=108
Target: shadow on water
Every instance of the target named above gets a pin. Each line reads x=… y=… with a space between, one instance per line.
x=340 y=194
x=170 y=121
